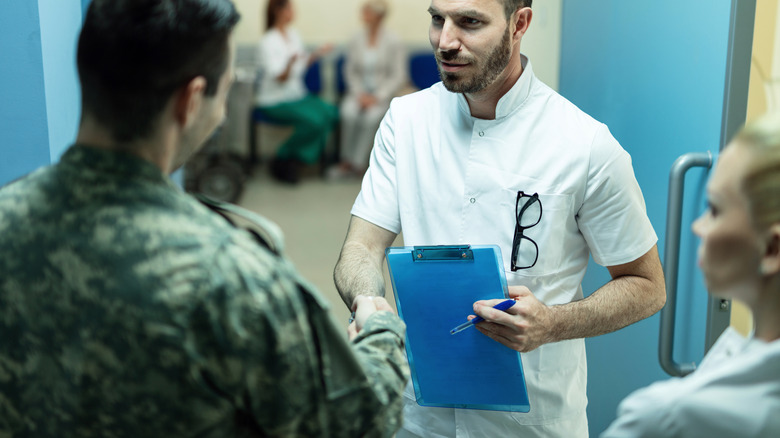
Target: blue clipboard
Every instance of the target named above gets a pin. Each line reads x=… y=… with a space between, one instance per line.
x=435 y=289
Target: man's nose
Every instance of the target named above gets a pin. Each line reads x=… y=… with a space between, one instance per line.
x=449 y=38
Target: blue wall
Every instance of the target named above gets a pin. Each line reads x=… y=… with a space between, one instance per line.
x=38 y=87
x=23 y=124
x=60 y=24
x=654 y=72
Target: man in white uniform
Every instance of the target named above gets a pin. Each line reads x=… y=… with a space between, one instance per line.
x=493 y=156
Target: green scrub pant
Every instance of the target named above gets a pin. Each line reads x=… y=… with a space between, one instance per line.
x=312 y=119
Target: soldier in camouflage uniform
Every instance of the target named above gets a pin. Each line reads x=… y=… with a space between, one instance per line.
x=129 y=308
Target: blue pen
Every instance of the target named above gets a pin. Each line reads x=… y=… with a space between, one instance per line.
x=503 y=306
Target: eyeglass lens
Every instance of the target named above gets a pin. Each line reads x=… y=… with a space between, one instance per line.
x=530 y=212
x=525 y=251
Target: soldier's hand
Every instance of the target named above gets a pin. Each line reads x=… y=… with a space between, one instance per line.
x=365 y=306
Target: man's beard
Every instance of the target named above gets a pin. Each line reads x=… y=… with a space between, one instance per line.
x=496 y=63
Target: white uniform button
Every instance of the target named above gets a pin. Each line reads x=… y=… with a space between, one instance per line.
x=473 y=200
x=481 y=133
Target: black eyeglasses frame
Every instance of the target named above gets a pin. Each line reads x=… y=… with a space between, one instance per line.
x=520 y=230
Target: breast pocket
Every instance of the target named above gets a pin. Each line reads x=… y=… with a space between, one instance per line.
x=545 y=224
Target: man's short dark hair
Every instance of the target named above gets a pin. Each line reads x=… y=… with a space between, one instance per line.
x=134 y=54
x=510 y=6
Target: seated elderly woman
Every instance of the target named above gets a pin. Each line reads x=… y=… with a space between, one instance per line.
x=374 y=72
x=735 y=392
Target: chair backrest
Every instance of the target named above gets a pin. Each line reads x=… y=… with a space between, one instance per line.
x=341 y=80
x=313 y=78
x=423 y=70
x=246 y=56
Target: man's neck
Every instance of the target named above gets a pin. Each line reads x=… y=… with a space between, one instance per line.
x=483 y=104
x=155 y=150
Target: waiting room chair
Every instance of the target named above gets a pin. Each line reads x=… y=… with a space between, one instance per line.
x=423 y=71
x=341 y=80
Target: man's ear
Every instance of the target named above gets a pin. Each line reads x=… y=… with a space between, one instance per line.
x=522 y=19
x=770 y=263
x=189 y=100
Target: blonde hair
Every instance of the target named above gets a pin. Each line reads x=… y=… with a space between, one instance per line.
x=762 y=180
x=378 y=7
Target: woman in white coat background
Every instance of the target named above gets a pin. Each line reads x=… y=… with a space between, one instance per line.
x=735 y=392
x=374 y=71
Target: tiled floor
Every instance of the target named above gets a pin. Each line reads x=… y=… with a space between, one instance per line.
x=314 y=216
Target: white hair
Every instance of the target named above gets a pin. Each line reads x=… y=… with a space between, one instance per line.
x=378 y=7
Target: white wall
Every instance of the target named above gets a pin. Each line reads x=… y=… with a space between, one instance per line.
x=321 y=21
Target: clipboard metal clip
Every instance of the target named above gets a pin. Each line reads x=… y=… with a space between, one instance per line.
x=442 y=253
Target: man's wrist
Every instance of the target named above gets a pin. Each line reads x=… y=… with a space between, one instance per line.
x=354 y=306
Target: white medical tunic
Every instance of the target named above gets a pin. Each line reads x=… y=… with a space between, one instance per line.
x=735 y=392
x=274 y=53
x=444 y=177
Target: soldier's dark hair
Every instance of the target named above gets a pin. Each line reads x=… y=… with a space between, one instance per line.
x=133 y=55
x=510 y=6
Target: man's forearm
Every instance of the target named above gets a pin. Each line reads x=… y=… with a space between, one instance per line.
x=358 y=273
x=617 y=304
x=636 y=291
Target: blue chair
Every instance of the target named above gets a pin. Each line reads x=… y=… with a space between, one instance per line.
x=313 y=78
x=423 y=70
x=341 y=80
x=341 y=89
x=313 y=81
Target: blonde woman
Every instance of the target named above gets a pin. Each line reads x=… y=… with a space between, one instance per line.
x=735 y=392
x=374 y=71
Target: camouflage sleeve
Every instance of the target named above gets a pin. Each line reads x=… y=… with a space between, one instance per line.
x=380 y=350
x=268 y=343
x=364 y=381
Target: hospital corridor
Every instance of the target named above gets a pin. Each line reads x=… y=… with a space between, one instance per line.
x=576 y=143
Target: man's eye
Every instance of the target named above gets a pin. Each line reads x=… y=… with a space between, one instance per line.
x=712 y=209
x=471 y=21
x=437 y=19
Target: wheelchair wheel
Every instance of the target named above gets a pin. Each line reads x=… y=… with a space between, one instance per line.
x=221 y=180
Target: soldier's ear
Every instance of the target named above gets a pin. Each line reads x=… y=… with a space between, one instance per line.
x=188 y=101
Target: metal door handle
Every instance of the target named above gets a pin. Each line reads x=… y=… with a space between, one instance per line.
x=671 y=259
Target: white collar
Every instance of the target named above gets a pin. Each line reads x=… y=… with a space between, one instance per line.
x=514 y=98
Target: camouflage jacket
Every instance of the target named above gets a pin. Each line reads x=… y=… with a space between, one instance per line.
x=128 y=309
